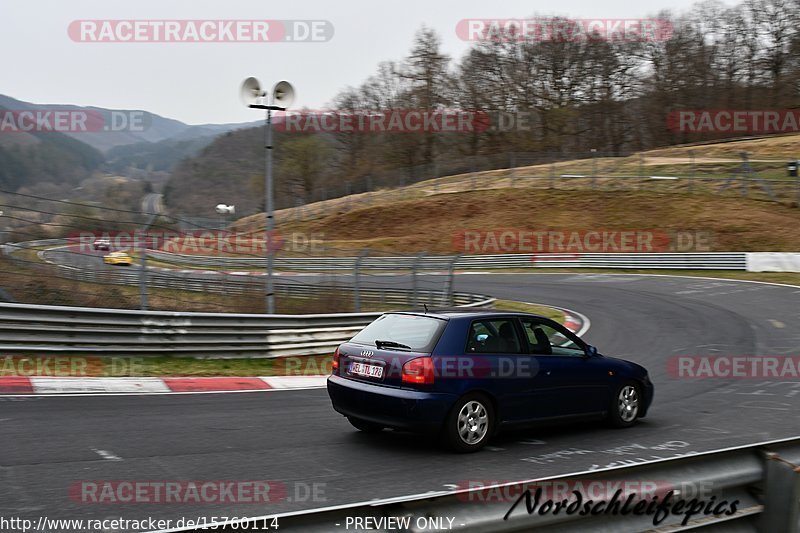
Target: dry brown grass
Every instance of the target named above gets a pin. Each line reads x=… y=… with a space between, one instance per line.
x=423 y=216
x=429 y=223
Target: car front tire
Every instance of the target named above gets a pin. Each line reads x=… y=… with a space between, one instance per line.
x=470 y=424
x=626 y=404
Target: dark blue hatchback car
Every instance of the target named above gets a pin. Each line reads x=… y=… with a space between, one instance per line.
x=468 y=373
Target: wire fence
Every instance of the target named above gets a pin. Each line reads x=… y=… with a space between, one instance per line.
x=57 y=272
x=708 y=171
x=71 y=271
x=719 y=169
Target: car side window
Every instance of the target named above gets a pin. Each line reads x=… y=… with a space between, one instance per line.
x=493 y=336
x=543 y=339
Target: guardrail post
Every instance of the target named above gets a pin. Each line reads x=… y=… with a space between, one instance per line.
x=143 y=272
x=641 y=166
x=473 y=178
x=447 y=292
x=414 y=283
x=797 y=181
x=143 y=263
x=781 y=496
x=357 y=280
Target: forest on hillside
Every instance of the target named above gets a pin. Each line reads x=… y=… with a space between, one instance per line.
x=584 y=95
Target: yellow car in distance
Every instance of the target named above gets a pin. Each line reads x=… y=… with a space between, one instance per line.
x=118 y=258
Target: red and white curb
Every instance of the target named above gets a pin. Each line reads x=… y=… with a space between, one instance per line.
x=574 y=324
x=41 y=386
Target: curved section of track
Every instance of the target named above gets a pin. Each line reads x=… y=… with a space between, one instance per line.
x=295 y=438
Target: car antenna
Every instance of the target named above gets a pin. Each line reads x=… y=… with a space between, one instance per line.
x=426 y=308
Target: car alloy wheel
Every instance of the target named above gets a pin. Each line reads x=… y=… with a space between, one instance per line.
x=470 y=424
x=628 y=403
x=473 y=422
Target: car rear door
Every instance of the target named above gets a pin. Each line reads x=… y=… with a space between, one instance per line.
x=500 y=362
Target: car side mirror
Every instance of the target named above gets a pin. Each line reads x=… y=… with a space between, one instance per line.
x=591 y=351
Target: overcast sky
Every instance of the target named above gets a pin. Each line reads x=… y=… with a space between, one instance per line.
x=198 y=82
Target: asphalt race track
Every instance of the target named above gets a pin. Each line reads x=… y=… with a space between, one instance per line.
x=294 y=437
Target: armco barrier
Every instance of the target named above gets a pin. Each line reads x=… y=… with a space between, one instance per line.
x=40 y=329
x=750 y=261
x=700 y=261
x=763 y=479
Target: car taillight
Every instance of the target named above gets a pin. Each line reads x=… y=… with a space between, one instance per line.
x=335 y=366
x=418 y=371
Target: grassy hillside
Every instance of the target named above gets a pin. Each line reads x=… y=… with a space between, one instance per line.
x=430 y=223
x=425 y=216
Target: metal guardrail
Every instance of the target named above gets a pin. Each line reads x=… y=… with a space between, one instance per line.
x=667 y=261
x=240 y=284
x=705 y=260
x=80 y=330
x=763 y=479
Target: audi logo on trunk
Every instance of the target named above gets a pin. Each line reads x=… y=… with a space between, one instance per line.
x=367 y=353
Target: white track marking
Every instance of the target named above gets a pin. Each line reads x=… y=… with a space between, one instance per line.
x=58 y=385
x=105 y=454
x=292 y=382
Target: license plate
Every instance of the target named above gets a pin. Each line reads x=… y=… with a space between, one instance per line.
x=369 y=371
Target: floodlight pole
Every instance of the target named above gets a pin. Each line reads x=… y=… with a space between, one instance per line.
x=143 y=298
x=268 y=201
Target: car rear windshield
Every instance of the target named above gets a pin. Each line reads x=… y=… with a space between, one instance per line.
x=419 y=333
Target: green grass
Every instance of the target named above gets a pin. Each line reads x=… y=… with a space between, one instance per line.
x=536 y=309
x=186 y=366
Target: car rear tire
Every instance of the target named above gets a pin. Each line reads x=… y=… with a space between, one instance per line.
x=363 y=425
x=626 y=404
x=470 y=424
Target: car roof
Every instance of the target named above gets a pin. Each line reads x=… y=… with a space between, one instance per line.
x=465 y=312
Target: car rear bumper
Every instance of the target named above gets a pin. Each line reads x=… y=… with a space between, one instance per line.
x=389 y=406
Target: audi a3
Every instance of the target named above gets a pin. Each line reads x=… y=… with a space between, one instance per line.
x=466 y=374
